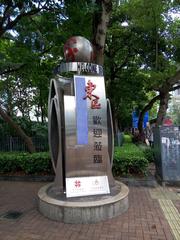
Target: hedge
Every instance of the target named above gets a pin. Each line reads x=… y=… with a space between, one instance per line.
x=28 y=163
x=127 y=138
x=148 y=152
x=129 y=160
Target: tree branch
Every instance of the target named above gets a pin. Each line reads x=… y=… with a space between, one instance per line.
x=11 y=24
x=18 y=130
x=145 y=109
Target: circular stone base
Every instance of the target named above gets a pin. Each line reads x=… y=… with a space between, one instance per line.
x=83 y=209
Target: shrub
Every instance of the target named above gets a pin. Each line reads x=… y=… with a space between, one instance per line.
x=8 y=163
x=127 y=138
x=26 y=162
x=148 y=152
x=128 y=160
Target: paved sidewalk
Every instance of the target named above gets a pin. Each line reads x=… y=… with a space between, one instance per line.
x=146 y=219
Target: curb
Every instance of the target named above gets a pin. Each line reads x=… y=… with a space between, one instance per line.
x=146 y=182
x=149 y=181
x=34 y=178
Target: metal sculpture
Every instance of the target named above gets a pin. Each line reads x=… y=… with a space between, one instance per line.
x=80 y=124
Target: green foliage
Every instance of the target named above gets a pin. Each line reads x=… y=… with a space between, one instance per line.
x=128 y=160
x=28 y=163
x=8 y=163
x=148 y=152
x=141 y=53
x=127 y=138
x=32 y=128
x=175 y=112
x=139 y=56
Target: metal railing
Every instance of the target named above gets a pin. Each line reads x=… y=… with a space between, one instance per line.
x=16 y=144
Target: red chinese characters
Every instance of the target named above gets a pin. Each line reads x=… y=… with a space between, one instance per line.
x=94 y=98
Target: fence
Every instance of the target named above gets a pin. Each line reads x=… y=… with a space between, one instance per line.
x=16 y=144
x=118 y=139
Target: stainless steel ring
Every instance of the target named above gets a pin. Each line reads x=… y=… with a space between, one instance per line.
x=80 y=68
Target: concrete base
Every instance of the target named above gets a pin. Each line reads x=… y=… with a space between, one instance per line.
x=83 y=209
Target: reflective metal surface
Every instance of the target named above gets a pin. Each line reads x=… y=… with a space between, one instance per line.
x=54 y=133
x=70 y=122
x=80 y=129
x=80 y=68
x=92 y=158
x=110 y=132
x=78 y=49
x=56 y=127
x=167 y=152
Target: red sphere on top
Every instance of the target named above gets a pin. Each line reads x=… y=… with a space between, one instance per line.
x=78 y=49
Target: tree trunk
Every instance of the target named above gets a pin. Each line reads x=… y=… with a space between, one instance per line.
x=145 y=109
x=19 y=131
x=115 y=125
x=100 y=23
x=164 y=98
x=41 y=105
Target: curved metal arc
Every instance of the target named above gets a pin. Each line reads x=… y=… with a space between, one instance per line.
x=111 y=132
x=54 y=117
x=50 y=110
x=56 y=129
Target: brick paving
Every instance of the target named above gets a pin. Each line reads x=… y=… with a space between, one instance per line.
x=172 y=215
x=144 y=219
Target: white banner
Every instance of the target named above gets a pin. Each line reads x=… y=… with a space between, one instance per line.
x=86 y=186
